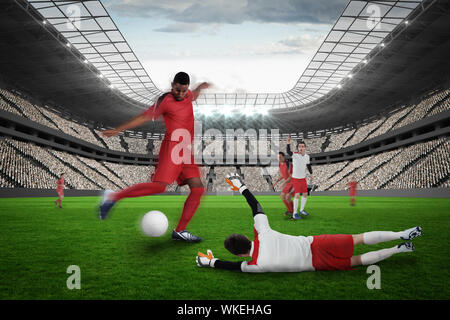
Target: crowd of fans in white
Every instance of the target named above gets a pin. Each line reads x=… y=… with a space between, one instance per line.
x=422 y=165
x=28 y=165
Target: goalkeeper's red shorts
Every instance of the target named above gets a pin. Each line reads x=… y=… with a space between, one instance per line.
x=168 y=170
x=332 y=251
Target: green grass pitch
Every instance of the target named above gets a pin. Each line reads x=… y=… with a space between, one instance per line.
x=117 y=261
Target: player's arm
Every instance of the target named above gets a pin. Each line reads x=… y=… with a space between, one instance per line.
x=133 y=123
x=308 y=166
x=288 y=146
x=276 y=182
x=208 y=260
x=200 y=87
x=237 y=184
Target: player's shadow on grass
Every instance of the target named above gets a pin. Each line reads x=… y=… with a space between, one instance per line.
x=159 y=246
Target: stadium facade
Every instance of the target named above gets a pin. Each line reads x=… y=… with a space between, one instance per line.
x=373 y=105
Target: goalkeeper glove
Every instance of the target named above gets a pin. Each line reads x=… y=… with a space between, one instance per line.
x=204 y=260
x=235 y=181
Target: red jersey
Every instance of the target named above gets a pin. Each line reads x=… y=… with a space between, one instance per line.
x=352 y=185
x=176 y=114
x=60 y=184
x=285 y=170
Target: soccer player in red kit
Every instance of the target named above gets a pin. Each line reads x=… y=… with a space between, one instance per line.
x=352 y=191
x=175 y=107
x=60 y=190
x=287 y=187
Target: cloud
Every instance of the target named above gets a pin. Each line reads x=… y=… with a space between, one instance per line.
x=179 y=27
x=232 y=11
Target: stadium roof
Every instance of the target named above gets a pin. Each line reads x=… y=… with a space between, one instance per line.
x=365 y=65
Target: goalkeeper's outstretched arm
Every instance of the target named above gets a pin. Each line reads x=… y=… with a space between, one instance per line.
x=237 y=184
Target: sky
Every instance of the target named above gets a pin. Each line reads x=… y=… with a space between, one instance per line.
x=250 y=46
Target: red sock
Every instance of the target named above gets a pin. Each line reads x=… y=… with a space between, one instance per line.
x=139 y=190
x=291 y=206
x=190 y=206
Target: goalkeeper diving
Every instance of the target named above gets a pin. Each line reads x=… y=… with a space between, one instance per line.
x=272 y=251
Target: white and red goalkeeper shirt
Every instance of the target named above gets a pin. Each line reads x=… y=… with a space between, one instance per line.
x=273 y=251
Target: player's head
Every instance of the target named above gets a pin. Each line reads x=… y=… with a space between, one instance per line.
x=301 y=147
x=61 y=175
x=238 y=244
x=281 y=157
x=180 y=85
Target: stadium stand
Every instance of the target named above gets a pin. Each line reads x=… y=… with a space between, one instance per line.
x=136 y=145
x=254 y=178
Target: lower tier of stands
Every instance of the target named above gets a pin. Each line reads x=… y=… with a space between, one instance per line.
x=421 y=165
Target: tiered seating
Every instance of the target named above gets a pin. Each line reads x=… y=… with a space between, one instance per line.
x=427 y=171
x=314 y=145
x=5 y=106
x=326 y=185
x=337 y=140
x=72 y=128
x=22 y=170
x=156 y=146
x=387 y=125
x=420 y=110
x=29 y=110
x=362 y=132
x=254 y=178
x=444 y=106
x=131 y=174
x=136 y=145
x=53 y=165
x=93 y=164
x=113 y=143
x=219 y=184
x=4 y=183
x=324 y=172
x=361 y=172
x=406 y=156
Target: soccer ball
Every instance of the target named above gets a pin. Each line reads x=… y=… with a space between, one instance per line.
x=154 y=223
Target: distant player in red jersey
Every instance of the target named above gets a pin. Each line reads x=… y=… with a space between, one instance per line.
x=175 y=107
x=60 y=190
x=287 y=187
x=352 y=191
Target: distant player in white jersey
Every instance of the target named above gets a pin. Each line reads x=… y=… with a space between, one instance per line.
x=272 y=251
x=300 y=163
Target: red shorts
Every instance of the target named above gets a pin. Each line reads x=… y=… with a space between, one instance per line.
x=288 y=188
x=352 y=192
x=60 y=192
x=332 y=251
x=168 y=171
x=300 y=185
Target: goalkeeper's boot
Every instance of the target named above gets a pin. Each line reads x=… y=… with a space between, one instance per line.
x=406 y=247
x=412 y=233
x=185 y=236
x=106 y=204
